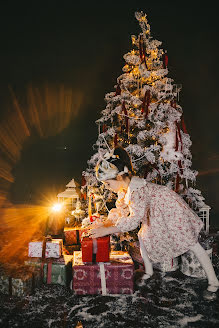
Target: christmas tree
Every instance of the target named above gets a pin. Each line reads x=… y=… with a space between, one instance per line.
x=143 y=116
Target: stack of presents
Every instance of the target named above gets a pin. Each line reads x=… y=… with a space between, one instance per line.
x=85 y=265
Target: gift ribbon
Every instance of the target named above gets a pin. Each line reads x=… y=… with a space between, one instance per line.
x=103 y=278
x=49 y=272
x=94 y=252
x=77 y=237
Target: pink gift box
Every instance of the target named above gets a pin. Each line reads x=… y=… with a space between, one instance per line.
x=54 y=248
x=35 y=249
x=114 y=277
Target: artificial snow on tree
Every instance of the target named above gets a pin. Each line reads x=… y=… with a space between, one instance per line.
x=144 y=117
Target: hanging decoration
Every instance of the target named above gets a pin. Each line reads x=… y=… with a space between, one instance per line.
x=146 y=103
x=126 y=117
x=104 y=128
x=184 y=125
x=118 y=89
x=165 y=60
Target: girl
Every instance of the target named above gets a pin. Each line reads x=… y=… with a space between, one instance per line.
x=169 y=227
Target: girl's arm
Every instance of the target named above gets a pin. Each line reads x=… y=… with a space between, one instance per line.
x=103 y=231
x=137 y=207
x=127 y=223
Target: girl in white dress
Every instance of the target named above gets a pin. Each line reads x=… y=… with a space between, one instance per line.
x=169 y=227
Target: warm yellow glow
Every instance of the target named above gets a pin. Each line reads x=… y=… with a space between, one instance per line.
x=154 y=53
x=20 y=224
x=135 y=71
x=57 y=207
x=143 y=19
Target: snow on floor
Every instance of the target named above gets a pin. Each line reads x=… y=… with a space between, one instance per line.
x=167 y=301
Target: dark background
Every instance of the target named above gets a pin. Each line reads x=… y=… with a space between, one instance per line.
x=80 y=45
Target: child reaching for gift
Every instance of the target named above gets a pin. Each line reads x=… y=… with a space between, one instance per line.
x=169 y=227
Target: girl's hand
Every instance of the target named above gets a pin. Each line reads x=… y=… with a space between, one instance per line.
x=98 y=232
x=103 y=231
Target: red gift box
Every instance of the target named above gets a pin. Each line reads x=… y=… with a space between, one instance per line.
x=115 y=277
x=72 y=236
x=95 y=250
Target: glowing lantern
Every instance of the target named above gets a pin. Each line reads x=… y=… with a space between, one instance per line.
x=57 y=207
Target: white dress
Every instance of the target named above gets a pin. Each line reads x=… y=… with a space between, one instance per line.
x=169 y=226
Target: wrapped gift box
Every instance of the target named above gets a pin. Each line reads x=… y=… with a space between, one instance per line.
x=95 y=250
x=54 y=248
x=114 y=277
x=167 y=265
x=58 y=271
x=72 y=236
x=35 y=249
x=134 y=251
x=69 y=250
x=20 y=282
x=190 y=265
x=34 y=262
x=5 y=283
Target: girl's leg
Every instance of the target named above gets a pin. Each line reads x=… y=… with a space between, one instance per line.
x=147 y=263
x=213 y=283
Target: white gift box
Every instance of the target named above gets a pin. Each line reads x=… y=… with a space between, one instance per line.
x=167 y=265
x=190 y=265
x=35 y=249
x=54 y=248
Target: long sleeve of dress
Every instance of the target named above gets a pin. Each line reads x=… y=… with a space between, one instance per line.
x=121 y=209
x=137 y=208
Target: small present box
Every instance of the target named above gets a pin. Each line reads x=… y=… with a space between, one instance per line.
x=167 y=265
x=95 y=250
x=190 y=265
x=5 y=282
x=69 y=250
x=114 y=277
x=72 y=236
x=54 y=248
x=34 y=262
x=20 y=282
x=35 y=249
x=58 y=271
